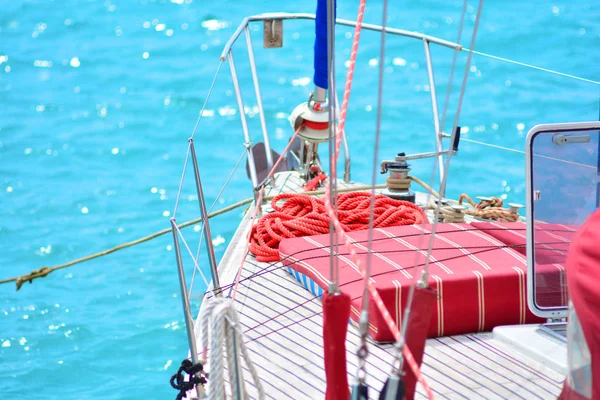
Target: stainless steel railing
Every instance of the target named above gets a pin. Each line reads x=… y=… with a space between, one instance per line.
x=226 y=55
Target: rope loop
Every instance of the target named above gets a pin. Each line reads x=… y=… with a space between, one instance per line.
x=39 y=273
x=490 y=208
x=178 y=381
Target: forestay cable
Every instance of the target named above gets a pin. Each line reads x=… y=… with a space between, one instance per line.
x=534 y=67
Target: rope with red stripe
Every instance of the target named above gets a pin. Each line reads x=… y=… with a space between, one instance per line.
x=338 y=226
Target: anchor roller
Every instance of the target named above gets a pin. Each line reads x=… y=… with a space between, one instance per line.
x=313 y=116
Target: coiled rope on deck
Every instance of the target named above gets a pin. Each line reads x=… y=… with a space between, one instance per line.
x=302 y=215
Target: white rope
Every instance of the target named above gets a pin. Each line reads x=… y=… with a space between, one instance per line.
x=222 y=317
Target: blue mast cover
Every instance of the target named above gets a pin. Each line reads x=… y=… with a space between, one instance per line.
x=320 y=78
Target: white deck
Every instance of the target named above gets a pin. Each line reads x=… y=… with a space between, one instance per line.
x=282 y=323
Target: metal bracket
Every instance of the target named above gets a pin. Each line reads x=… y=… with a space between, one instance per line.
x=272 y=33
x=559 y=140
x=403 y=158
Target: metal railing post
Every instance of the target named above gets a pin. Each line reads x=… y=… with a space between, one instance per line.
x=434 y=107
x=189 y=322
x=240 y=102
x=346 y=148
x=204 y=214
x=261 y=112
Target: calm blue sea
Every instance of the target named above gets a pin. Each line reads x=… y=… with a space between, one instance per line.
x=98 y=98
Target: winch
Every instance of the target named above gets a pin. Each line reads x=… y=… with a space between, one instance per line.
x=398 y=182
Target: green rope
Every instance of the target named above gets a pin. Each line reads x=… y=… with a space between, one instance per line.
x=45 y=271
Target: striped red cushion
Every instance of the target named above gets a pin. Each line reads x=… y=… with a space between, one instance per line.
x=552 y=240
x=481 y=281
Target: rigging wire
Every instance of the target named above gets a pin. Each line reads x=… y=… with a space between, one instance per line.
x=453 y=137
x=508 y=60
x=345 y=101
x=447 y=165
x=332 y=93
x=192 y=256
x=495 y=146
x=209 y=212
x=365 y=303
x=452 y=70
x=436 y=160
x=187 y=156
x=212 y=85
x=373 y=291
x=257 y=208
x=427 y=255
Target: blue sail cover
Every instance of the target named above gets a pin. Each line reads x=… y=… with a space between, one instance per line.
x=320 y=78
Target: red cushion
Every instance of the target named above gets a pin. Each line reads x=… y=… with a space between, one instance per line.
x=481 y=283
x=552 y=240
x=551 y=286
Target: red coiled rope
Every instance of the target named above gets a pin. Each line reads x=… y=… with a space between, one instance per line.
x=302 y=215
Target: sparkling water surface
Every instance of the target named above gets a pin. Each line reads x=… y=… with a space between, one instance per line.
x=98 y=98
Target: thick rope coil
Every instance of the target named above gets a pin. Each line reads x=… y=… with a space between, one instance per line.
x=448 y=214
x=398 y=184
x=451 y=216
x=221 y=315
x=302 y=215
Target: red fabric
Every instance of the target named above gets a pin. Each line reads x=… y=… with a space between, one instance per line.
x=583 y=279
x=336 y=312
x=569 y=394
x=552 y=240
x=551 y=285
x=481 y=283
x=552 y=245
x=418 y=323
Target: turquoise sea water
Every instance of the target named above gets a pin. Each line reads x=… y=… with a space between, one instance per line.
x=98 y=98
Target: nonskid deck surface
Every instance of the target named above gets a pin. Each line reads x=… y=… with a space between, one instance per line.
x=282 y=323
